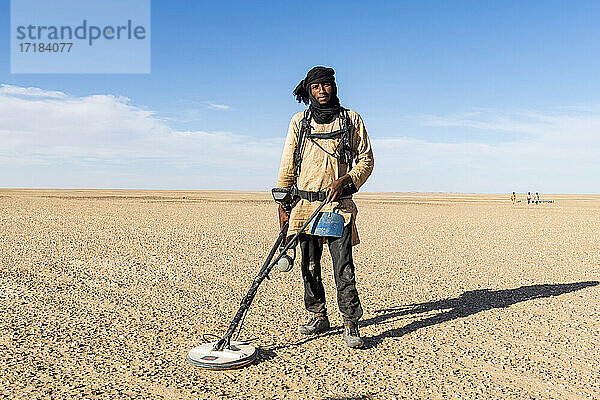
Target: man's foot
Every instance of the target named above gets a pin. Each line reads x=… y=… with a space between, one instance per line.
x=315 y=324
x=351 y=335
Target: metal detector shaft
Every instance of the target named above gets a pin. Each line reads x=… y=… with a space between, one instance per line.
x=247 y=300
x=264 y=272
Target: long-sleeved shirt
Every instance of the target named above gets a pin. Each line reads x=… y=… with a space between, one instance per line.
x=319 y=169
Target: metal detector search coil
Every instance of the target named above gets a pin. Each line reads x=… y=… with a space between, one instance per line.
x=237 y=355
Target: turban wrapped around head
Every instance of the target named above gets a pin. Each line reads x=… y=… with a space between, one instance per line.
x=322 y=113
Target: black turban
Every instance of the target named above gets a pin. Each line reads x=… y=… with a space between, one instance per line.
x=322 y=113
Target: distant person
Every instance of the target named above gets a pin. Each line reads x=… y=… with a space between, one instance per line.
x=528 y=197
x=513 y=197
x=537 y=197
x=321 y=144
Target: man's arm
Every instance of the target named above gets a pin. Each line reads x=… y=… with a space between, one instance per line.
x=359 y=174
x=334 y=190
x=364 y=154
x=285 y=176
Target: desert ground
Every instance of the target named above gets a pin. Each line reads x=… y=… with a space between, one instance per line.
x=466 y=296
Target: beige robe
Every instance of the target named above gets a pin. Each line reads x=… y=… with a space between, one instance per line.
x=319 y=169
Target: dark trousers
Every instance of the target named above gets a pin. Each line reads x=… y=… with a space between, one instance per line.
x=340 y=248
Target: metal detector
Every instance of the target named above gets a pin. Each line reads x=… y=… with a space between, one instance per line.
x=229 y=354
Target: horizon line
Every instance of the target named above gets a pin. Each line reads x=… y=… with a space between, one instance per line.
x=268 y=190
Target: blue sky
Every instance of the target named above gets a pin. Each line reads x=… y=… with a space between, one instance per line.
x=464 y=96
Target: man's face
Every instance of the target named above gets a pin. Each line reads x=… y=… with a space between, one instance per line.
x=322 y=91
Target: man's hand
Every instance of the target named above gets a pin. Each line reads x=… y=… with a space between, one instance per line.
x=283 y=216
x=334 y=191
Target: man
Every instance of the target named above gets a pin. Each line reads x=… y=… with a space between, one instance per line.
x=321 y=144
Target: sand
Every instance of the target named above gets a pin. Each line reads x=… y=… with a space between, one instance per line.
x=102 y=293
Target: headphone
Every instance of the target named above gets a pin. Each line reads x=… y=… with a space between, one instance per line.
x=286 y=262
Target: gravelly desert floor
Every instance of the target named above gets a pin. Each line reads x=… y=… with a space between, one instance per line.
x=102 y=293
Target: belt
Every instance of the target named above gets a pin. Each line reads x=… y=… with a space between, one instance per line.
x=312 y=196
x=317 y=196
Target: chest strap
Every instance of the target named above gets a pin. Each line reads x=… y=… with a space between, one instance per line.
x=326 y=135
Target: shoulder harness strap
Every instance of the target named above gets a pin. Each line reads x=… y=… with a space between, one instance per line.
x=346 y=156
x=302 y=134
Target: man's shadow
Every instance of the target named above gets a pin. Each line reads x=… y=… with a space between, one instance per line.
x=468 y=303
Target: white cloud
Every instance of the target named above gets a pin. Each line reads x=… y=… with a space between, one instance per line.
x=219 y=107
x=106 y=131
x=30 y=92
x=550 y=150
x=560 y=125
x=59 y=140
